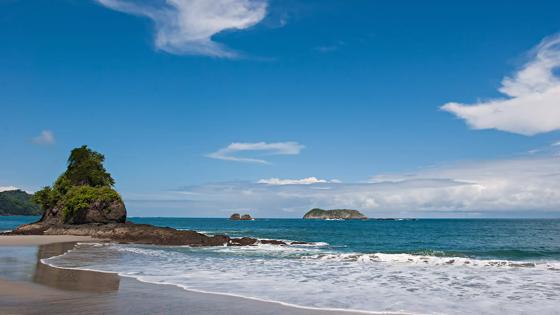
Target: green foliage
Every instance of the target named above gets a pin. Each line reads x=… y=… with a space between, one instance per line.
x=82 y=197
x=85 y=167
x=18 y=202
x=85 y=181
x=334 y=214
x=44 y=198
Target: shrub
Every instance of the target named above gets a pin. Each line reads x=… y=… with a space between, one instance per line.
x=82 y=197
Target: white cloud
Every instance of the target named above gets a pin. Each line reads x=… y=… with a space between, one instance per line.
x=528 y=186
x=274 y=148
x=303 y=181
x=7 y=188
x=45 y=138
x=532 y=105
x=187 y=26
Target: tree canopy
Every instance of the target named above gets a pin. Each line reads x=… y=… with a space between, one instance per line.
x=85 y=169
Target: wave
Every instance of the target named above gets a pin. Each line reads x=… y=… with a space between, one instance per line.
x=431 y=260
x=315 y=278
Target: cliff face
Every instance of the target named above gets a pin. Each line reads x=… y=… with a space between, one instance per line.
x=337 y=214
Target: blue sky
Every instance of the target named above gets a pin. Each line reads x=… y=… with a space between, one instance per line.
x=197 y=106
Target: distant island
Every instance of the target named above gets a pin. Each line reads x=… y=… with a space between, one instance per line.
x=237 y=217
x=18 y=202
x=336 y=214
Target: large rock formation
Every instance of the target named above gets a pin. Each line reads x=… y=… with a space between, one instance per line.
x=98 y=206
x=337 y=214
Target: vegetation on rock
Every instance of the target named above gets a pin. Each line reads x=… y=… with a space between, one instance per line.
x=84 y=185
x=18 y=202
x=82 y=197
x=345 y=214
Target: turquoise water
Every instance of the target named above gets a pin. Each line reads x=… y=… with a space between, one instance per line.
x=11 y=222
x=514 y=239
x=479 y=266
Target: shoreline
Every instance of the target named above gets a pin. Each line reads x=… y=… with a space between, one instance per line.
x=52 y=289
x=36 y=240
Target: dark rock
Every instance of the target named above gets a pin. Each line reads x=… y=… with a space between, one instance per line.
x=299 y=243
x=246 y=217
x=273 y=242
x=237 y=217
x=101 y=212
x=244 y=241
x=126 y=233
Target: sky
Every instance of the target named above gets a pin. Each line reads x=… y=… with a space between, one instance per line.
x=204 y=108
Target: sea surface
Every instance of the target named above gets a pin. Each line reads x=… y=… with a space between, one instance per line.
x=427 y=266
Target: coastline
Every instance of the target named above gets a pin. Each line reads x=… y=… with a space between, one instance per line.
x=51 y=290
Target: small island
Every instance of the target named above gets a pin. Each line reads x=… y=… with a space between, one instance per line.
x=336 y=214
x=237 y=217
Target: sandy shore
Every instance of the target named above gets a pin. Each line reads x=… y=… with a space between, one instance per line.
x=27 y=240
x=41 y=289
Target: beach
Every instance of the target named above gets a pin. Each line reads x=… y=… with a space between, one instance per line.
x=36 y=288
x=463 y=267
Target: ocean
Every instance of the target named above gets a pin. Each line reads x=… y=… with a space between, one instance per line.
x=426 y=266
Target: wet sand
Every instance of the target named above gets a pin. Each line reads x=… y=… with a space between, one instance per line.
x=23 y=240
x=47 y=290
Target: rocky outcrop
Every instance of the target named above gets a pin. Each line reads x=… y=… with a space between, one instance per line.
x=98 y=211
x=141 y=234
x=337 y=214
x=127 y=233
x=237 y=217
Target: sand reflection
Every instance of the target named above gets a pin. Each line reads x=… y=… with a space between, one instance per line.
x=74 y=280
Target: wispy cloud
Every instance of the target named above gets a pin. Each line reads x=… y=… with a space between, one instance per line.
x=45 y=138
x=230 y=152
x=303 y=181
x=186 y=27
x=330 y=48
x=532 y=105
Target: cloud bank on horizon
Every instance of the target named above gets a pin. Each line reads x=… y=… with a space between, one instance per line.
x=520 y=185
x=230 y=152
x=186 y=27
x=532 y=105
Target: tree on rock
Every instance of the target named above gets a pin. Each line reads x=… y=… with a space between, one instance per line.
x=85 y=167
x=83 y=193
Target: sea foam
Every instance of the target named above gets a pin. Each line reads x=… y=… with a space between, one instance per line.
x=318 y=277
